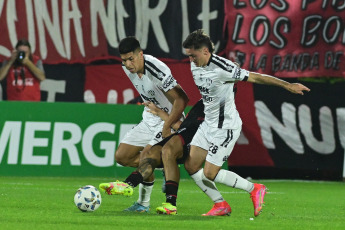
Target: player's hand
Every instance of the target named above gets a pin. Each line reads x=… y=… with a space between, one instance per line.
x=153 y=108
x=166 y=131
x=298 y=88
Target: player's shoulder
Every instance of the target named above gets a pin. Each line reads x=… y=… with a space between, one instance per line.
x=156 y=67
x=219 y=62
x=154 y=62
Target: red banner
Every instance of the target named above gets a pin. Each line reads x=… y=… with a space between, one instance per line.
x=287 y=38
x=82 y=31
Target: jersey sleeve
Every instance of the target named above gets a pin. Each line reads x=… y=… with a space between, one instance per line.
x=236 y=74
x=169 y=82
x=160 y=71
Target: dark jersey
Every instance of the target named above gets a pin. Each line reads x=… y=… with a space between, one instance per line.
x=188 y=128
x=191 y=124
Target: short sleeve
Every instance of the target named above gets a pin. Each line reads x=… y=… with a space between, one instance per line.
x=235 y=74
x=168 y=83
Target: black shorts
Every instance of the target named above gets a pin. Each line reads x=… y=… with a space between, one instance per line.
x=186 y=135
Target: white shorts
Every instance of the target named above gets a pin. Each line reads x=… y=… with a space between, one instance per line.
x=218 y=142
x=142 y=134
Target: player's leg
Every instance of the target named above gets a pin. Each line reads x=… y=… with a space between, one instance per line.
x=193 y=166
x=221 y=149
x=171 y=152
x=199 y=149
x=128 y=155
x=135 y=140
x=144 y=177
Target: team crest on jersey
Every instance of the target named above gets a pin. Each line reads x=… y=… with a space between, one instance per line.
x=151 y=93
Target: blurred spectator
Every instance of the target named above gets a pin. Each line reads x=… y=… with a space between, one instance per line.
x=24 y=72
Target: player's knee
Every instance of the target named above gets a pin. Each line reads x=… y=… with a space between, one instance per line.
x=190 y=168
x=121 y=158
x=168 y=153
x=118 y=158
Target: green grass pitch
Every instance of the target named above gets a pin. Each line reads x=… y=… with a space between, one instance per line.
x=47 y=203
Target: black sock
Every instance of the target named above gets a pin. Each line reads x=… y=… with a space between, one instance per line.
x=171 y=192
x=134 y=179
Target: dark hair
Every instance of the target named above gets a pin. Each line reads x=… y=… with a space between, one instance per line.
x=197 y=40
x=129 y=44
x=23 y=42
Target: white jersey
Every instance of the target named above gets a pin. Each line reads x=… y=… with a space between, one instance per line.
x=157 y=78
x=215 y=82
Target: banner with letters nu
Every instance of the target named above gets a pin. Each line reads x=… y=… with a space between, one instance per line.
x=300 y=136
x=286 y=135
x=287 y=38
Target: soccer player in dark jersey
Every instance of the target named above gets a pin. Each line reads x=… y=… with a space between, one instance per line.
x=170 y=152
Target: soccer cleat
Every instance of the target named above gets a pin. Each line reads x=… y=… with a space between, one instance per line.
x=219 y=209
x=167 y=209
x=257 y=196
x=136 y=207
x=116 y=188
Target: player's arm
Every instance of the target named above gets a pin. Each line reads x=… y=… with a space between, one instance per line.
x=179 y=99
x=161 y=113
x=258 y=78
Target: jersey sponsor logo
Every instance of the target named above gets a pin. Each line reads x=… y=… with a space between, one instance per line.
x=207 y=98
x=153 y=100
x=203 y=90
x=168 y=82
x=237 y=74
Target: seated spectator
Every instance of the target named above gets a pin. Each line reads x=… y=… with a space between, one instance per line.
x=24 y=72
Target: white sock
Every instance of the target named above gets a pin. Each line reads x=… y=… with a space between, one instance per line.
x=233 y=180
x=145 y=191
x=207 y=186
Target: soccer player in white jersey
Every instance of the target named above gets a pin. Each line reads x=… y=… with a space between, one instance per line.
x=155 y=83
x=215 y=77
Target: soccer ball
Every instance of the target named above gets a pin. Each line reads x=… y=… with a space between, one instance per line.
x=87 y=198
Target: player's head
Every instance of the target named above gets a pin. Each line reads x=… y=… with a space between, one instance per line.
x=198 y=47
x=131 y=54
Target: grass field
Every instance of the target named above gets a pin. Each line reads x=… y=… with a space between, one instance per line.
x=47 y=203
